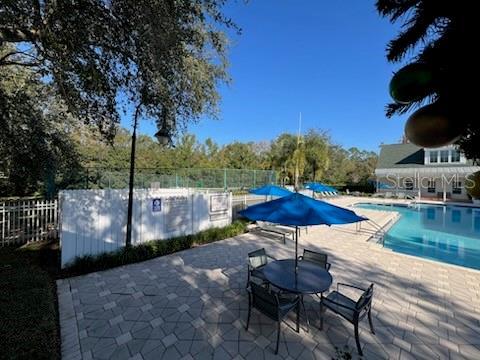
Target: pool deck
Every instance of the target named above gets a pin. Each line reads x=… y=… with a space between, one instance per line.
x=193 y=304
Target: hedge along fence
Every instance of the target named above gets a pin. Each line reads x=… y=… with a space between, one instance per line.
x=152 y=249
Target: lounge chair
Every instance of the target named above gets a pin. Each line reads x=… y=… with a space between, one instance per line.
x=263 y=226
x=256 y=262
x=401 y=195
x=272 y=305
x=291 y=227
x=351 y=310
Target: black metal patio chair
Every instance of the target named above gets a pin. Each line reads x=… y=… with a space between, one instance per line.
x=320 y=259
x=316 y=257
x=273 y=305
x=256 y=262
x=351 y=310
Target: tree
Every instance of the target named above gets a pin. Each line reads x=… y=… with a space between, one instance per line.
x=316 y=154
x=100 y=55
x=262 y=152
x=440 y=34
x=296 y=163
x=211 y=152
x=239 y=155
x=339 y=165
x=159 y=59
x=35 y=143
x=188 y=151
x=280 y=154
x=360 y=166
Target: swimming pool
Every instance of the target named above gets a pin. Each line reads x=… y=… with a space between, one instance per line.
x=450 y=234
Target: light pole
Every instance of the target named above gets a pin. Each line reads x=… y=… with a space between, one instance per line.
x=164 y=138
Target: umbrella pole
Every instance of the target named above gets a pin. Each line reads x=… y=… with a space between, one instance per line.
x=296 y=248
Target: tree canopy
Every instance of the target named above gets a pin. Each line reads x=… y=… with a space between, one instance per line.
x=440 y=35
x=321 y=159
x=85 y=160
x=70 y=68
x=163 y=58
x=35 y=145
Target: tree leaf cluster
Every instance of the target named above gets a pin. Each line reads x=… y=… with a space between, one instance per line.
x=440 y=34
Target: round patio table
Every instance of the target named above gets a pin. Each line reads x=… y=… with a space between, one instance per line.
x=309 y=279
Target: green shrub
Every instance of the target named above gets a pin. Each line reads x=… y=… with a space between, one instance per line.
x=151 y=249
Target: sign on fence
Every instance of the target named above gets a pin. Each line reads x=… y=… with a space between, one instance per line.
x=156 y=205
x=94 y=221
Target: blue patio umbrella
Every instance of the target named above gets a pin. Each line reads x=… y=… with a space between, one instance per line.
x=319 y=187
x=272 y=190
x=300 y=210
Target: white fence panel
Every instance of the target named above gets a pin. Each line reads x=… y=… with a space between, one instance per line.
x=94 y=221
x=27 y=220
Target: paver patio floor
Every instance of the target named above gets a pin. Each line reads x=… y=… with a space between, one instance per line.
x=193 y=305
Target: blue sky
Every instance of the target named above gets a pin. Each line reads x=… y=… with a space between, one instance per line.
x=325 y=59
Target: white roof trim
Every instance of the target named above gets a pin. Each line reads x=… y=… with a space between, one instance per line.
x=464 y=170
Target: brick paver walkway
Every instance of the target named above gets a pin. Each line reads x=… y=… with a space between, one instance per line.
x=193 y=305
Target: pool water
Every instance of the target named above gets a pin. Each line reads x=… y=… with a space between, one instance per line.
x=449 y=234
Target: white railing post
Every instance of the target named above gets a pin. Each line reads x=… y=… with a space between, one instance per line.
x=26 y=220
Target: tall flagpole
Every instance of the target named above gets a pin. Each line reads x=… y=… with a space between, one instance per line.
x=299 y=127
x=297 y=170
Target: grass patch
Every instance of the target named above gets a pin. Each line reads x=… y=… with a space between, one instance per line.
x=28 y=302
x=151 y=249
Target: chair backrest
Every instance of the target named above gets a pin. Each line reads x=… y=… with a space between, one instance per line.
x=257 y=258
x=316 y=257
x=365 y=300
x=264 y=301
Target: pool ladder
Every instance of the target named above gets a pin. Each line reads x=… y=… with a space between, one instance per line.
x=378 y=231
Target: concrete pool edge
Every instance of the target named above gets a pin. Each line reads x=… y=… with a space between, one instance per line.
x=391 y=223
x=401 y=202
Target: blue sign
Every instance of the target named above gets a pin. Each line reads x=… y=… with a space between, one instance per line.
x=156 y=205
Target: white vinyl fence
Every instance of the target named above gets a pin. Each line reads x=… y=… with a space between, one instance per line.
x=241 y=202
x=27 y=220
x=94 y=221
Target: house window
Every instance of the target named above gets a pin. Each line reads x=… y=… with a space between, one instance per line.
x=431 y=186
x=457 y=187
x=455 y=154
x=444 y=156
x=433 y=156
x=409 y=184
